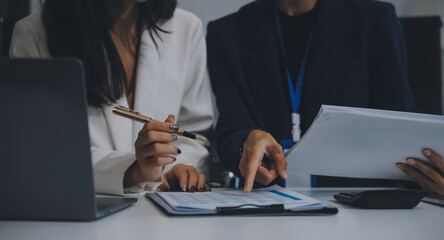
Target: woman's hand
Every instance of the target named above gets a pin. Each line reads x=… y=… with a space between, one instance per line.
x=428 y=178
x=184 y=178
x=154 y=149
x=251 y=166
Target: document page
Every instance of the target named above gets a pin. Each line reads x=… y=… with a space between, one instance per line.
x=364 y=143
x=185 y=201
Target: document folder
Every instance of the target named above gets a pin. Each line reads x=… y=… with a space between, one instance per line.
x=364 y=143
x=235 y=202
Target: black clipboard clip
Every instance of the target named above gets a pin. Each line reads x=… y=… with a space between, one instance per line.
x=251 y=209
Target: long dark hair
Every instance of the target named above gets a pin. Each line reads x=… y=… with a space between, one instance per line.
x=80 y=29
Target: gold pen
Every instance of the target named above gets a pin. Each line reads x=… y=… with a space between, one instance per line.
x=136 y=116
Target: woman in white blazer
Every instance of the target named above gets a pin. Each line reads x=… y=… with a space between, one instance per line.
x=146 y=55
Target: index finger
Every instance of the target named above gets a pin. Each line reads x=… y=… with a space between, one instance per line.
x=437 y=160
x=426 y=170
x=164 y=187
x=253 y=161
x=265 y=176
x=279 y=161
x=158 y=126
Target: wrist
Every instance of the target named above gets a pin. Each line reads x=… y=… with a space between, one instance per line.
x=255 y=131
x=252 y=131
x=132 y=174
x=244 y=138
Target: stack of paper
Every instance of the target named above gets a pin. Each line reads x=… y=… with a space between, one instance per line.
x=364 y=143
x=205 y=201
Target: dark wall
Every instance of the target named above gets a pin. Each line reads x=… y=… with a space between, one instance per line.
x=10 y=12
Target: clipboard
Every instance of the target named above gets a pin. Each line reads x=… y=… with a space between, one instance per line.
x=246 y=209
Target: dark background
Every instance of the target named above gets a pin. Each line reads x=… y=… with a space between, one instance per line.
x=10 y=12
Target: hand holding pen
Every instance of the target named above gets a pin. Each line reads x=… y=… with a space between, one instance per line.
x=154 y=149
x=136 y=116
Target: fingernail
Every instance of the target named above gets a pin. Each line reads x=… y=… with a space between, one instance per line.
x=427 y=152
x=174 y=138
x=285 y=174
x=411 y=161
x=174 y=158
x=184 y=188
x=201 y=188
x=172 y=116
x=174 y=127
x=179 y=151
x=400 y=166
x=193 y=189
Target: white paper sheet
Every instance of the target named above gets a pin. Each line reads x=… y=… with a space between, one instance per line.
x=364 y=143
x=185 y=201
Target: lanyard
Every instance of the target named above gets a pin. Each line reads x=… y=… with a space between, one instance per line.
x=295 y=93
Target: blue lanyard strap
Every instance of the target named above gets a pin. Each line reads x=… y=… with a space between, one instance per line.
x=295 y=93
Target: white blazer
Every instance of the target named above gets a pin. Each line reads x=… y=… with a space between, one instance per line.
x=170 y=80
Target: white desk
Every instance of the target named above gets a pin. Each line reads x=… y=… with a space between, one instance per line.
x=145 y=221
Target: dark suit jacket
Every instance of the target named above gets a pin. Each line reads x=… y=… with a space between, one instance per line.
x=357 y=59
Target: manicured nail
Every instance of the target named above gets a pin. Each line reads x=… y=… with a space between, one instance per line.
x=179 y=151
x=411 y=162
x=201 y=188
x=174 y=158
x=174 y=127
x=174 y=138
x=172 y=116
x=427 y=152
x=193 y=189
x=400 y=166
x=285 y=174
x=184 y=188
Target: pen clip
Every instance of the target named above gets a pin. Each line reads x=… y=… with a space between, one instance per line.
x=251 y=209
x=131 y=114
x=126 y=109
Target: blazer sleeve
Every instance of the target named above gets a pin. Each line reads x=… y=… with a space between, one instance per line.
x=388 y=64
x=23 y=42
x=196 y=111
x=235 y=114
x=109 y=169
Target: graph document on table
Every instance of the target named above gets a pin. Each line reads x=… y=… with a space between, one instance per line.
x=269 y=201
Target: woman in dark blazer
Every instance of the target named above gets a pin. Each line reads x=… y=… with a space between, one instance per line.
x=355 y=57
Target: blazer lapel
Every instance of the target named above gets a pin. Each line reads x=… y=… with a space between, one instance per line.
x=120 y=128
x=260 y=59
x=329 y=54
x=147 y=80
x=124 y=131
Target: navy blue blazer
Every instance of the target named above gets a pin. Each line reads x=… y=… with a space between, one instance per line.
x=357 y=59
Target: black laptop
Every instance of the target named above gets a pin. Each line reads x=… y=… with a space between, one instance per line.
x=45 y=159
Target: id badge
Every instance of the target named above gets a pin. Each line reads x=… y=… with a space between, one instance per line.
x=296 y=131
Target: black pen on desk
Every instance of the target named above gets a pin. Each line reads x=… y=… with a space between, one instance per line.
x=136 y=116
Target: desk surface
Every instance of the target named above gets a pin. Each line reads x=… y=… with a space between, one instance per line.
x=145 y=221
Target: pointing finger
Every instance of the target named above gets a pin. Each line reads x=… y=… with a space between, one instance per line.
x=253 y=160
